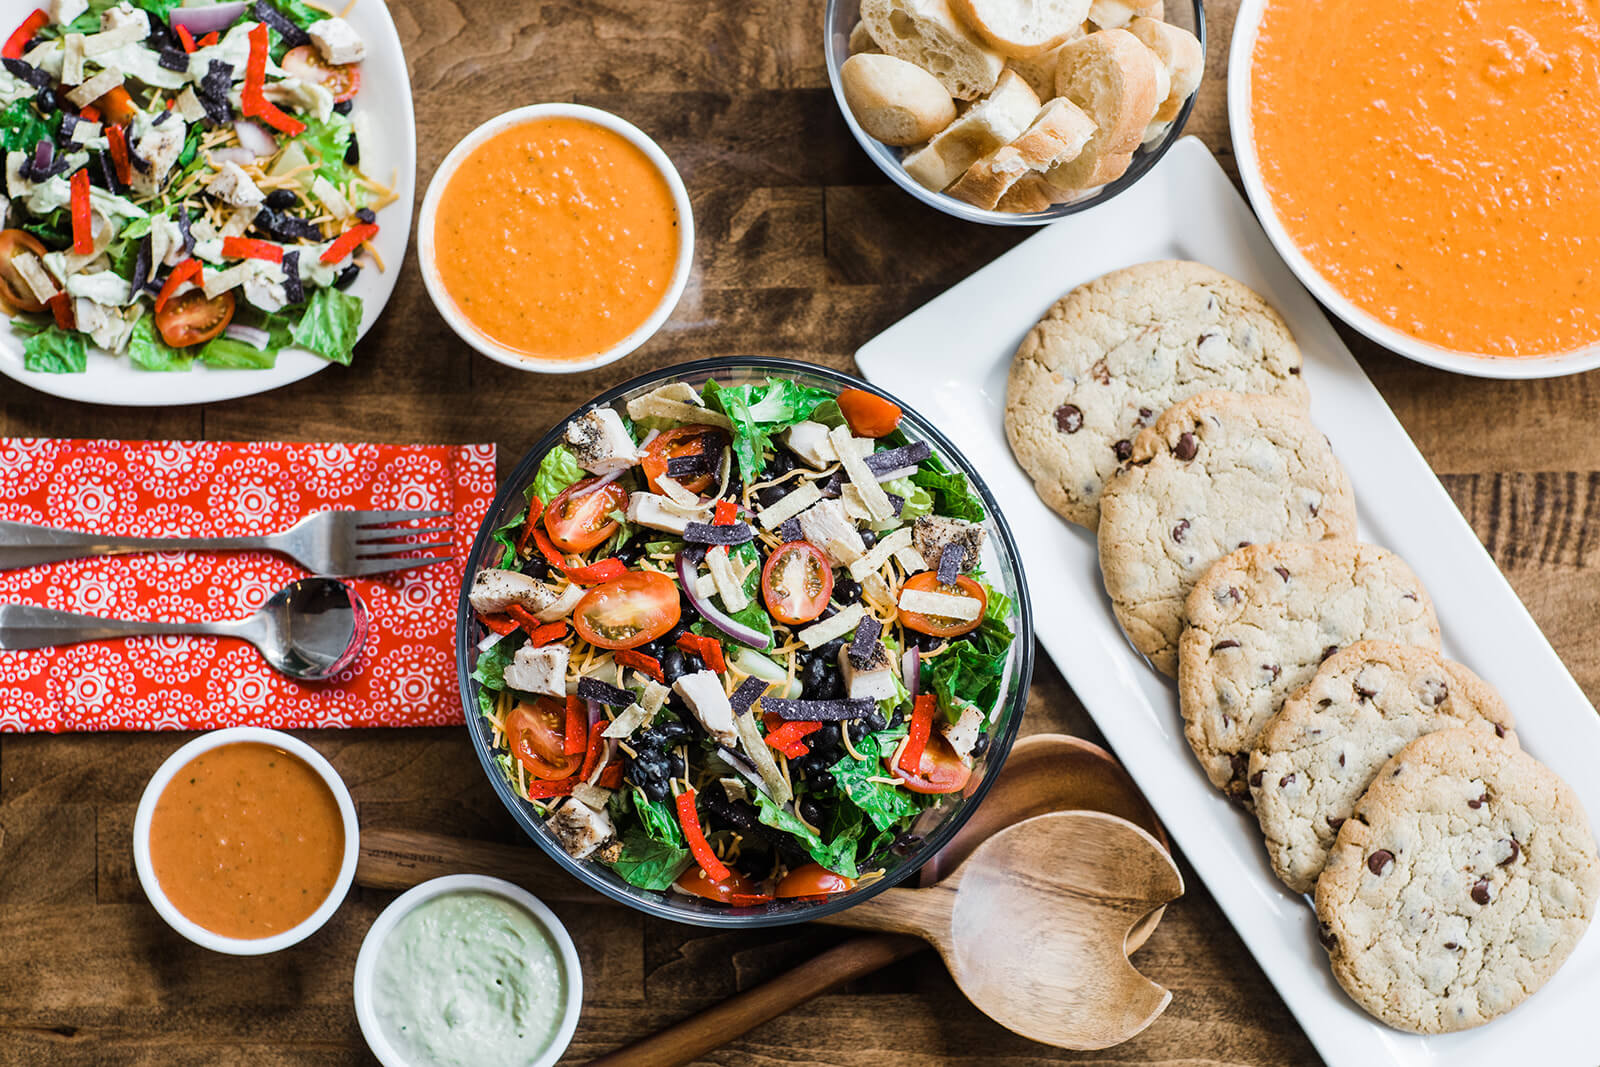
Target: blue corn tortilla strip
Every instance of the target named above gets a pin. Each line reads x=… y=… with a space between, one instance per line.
x=692 y=466
x=183 y=229
x=818 y=710
x=703 y=533
x=868 y=630
x=213 y=92
x=141 y=265
x=293 y=290
x=791 y=530
x=69 y=122
x=749 y=691
x=603 y=693
x=292 y=35
x=951 y=557
x=39 y=79
x=173 y=60
x=894 y=459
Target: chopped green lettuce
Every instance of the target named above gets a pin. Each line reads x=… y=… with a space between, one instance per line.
x=759 y=411
x=970 y=671
x=55 y=351
x=837 y=855
x=228 y=354
x=886 y=805
x=557 y=470
x=147 y=351
x=648 y=863
x=953 y=498
x=659 y=821
x=22 y=127
x=329 y=325
x=325 y=145
x=918 y=501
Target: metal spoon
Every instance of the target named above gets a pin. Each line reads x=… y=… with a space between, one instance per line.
x=310 y=629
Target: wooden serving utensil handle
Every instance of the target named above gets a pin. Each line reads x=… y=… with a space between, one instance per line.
x=691 y=1038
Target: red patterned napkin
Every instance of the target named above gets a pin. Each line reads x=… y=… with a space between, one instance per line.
x=406 y=676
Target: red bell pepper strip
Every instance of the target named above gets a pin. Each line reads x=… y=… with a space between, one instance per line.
x=209 y=39
x=529 y=524
x=789 y=738
x=61 y=308
x=348 y=241
x=253 y=98
x=699 y=847
x=500 y=623
x=249 y=247
x=540 y=788
x=548 y=550
x=611 y=777
x=187 y=271
x=726 y=514
x=917 y=737
x=539 y=633
x=750 y=900
x=630 y=657
x=118 y=141
x=82 y=219
x=595 y=573
x=185 y=38
x=597 y=745
x=709 y=649
x=524 y=618
x=90 y=114
x=276 y=117
x=575 y=739
x=24 y=33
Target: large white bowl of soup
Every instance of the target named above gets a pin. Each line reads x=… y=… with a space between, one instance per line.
x=556 y=238
x=1429 y=171
x=246 y=841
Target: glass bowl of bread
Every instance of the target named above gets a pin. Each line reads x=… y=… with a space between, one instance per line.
x=1015 y=112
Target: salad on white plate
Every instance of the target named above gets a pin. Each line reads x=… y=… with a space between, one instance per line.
x=183 y=184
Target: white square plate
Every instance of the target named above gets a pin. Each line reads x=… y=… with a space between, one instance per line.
x=949 y=360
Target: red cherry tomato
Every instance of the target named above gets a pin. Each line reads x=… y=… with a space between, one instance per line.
x=535 y=733
x=813 y=880
x=343 y=80
x=694 y=881
x=191 y=319
x=629 y=611
x=796 y=582
x=15 y=294
x=938 y=625
x=676 y=443
x=868 y=414
x=578 y=523
x=940 y=771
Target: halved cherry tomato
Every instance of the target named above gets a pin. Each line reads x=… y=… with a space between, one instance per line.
x=940 y=770
x=813 y=880
x=14 y=292
x=341 y=79
x=796 y=582
x=868 y=414
x=676 y=443
x=534 y=733
x=694 y=881
x=191 y=319
x=578 y=523
x=629 y=611
x=116 y=106
x=938 y=625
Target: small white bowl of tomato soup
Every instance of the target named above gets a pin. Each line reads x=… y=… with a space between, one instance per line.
x=556 y=238
x=246 y=841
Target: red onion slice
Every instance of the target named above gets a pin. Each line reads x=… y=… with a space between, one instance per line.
x=212 y=18
x=255 y=139
x=911 y=669
x=601 y=484
x=253 y=336
x=738 y=631
x=237 y=154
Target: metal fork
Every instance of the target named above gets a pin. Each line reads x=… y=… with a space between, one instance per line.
x=338 y=544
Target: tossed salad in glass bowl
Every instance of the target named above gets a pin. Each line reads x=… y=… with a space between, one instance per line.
x=743 y=639
x=182 y=184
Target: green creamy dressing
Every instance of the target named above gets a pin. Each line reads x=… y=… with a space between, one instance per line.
x=470 y=978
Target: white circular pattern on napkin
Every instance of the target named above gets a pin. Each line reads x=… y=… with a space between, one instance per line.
x=244 y=581
x=172 y=660
x=101 y=586
x=413 y=483
x=408 y=676
x=337 y=470
x=25 y=464
x=168 y=519
x=168 y=470
x=245 y=689
x=91 y=493
x=169 y=709
x=27 y=711
x=20 y=666
x=94 y=684
x=252 y=496
x=416 y=604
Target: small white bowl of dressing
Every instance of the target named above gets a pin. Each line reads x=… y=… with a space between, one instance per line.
x=556 y=238
x=468 y=970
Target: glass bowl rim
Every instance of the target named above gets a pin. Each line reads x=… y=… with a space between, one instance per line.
x=1000 y=742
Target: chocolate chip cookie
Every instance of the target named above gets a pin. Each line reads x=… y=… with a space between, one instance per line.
x=1213 y=473
x=1263 y=619
x=1465 y=876
x=1317 y=755
x=1115 y=352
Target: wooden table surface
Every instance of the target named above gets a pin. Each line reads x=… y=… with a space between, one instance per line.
x=804 y=250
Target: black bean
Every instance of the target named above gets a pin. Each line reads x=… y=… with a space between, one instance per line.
x=631 y=552
x=822 y=779
x=771 y=494
x=352 y=155
x=980 y=746
x=673 y=733
x=537 y=567
x=656 y=790
x=811 y=811
x=674 y=665
x=781 y=463
x=45 y=100
x=846 y=590
x=344 y=107
x=677 y=767
x=824 y=740
x=928 y=642
x=869 y=538
x=281 y=199
x=347 y=277
x=875 y=721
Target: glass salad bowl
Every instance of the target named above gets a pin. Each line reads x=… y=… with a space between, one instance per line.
x=937 y=824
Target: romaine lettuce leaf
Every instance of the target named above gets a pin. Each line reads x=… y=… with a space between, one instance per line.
x=886 y=805
x=648 y=863
x=22 y=127
x=55 y=351
x=953 y=498
x=659 y=821
x=760 y=410
x=226 y=353
x=557 y=470
x=329 y=325
x=838 y=855
x=918 y=501
x=147 y=351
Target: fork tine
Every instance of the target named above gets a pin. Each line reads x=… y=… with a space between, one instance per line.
x=368 y=567
x=376 y=537
x=389 y=551
x=382 y=518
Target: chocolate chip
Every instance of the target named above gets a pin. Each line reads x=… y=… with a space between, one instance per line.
x=1144 y=415
x=1239 y=762
x=1186 y=447
x=1325 y=702
x=1255 y=779
x=1283 y=572
x=1220 y=645
x=1499 y=731
x=1516 y=850
x=1069 y=418
x=1409 y=596
x=1313 y=508
x=1330 y=650
x=1294 y=370
x=1233 y=594
x=1478 y=802
x=1451 y=945
x=1274 y=669
x=1434 y=692
x=1380 y=861
x=1286 y=781
x=1179 y=530
x=1246 y=544
x=1101 y=372
x=1364 y=693
x=1480 y=891
x=1123 y=449
x=1334 y=823
x=1326 y=936
x=1341 y=759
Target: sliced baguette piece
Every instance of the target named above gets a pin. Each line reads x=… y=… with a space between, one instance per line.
x=1057 y=135
x=1118 y=81
x=1029 y=196
x=896 y=102
x=1180 y=54
x=1116 y=14
x=927 y=33
x=1024 y=27
x=1040 y=71
x=861 y=42
x=986 y=125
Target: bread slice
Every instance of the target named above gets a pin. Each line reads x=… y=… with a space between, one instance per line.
x=927 y=33
x=991 y=122
x=1182 y=57
x=861 y=42
x=1056 y=136
x=1031 y=195
x=897 y=102
x=1116 y=14
x=1117 y=80
x=1040 y=71
x=1024 y=27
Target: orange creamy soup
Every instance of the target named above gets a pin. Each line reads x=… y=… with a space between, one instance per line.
x=556 y=238
x=246 y=840
x=1438 y=162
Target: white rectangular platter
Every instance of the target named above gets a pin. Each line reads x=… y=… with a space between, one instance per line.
x=949 y=361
